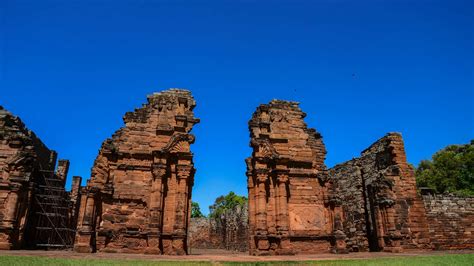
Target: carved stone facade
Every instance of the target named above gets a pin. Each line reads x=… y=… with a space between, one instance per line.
x=287 y=209
x=138 y=196
x=297 y=205
x=35 y=210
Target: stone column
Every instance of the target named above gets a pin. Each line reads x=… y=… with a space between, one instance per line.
x=283 y=216
x=340 y=245
x=89 y=216
x=10 y=223
x=86 y=221
x=75 y=199
x=392 y=236
x=25 y=211
x=156 y=208
x=263 y=245
x=183 y=175
x=261 y=214
x=282 y=181
x=11 y=208
x=252 y=202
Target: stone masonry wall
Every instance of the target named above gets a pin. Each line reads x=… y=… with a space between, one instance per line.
x=230 y=231
x=347 y=190
x=451 y=221
x=203 y=234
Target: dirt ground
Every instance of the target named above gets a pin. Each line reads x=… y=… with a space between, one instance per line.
x=223 y=255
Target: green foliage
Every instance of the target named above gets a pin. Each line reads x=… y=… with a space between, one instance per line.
x=196 y=210
x=224 y=203
x=450 y=170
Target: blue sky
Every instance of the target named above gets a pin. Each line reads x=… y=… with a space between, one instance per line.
x=71 y=69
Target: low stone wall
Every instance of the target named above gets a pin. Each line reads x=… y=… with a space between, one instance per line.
x=450 y=220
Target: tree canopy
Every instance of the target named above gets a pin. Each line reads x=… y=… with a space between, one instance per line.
x=224 y=203
x=196 y=210
x=450 y=170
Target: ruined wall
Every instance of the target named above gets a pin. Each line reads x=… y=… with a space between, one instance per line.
x=381 y=208
x=347 y=193
x=288 y=210
x=33 y=203
x=230 y=231
x=203 y=234
x=138 y=196
x=75 y=201
x=451 y=221
x=233 y=226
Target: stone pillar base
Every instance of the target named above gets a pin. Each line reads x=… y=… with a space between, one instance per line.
x=174 y=246
x=153 y=245
x=340 y=246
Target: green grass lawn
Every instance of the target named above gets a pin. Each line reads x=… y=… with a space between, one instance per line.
x=464 y=259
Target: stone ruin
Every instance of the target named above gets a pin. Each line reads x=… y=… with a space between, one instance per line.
x=35 y=209
x=287 y=211
x=138 y=197
x=229 y=231
x=297 y=205
x=377 y=201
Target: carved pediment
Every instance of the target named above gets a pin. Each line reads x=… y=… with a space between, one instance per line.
x=264 y=149
x=179 y=143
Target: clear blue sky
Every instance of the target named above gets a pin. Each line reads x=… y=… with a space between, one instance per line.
x=71 y=69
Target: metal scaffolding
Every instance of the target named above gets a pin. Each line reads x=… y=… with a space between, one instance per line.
x=54 y=228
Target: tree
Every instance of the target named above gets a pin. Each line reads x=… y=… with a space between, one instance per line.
x=196 y=210
x=450 y=170
x=224 y=203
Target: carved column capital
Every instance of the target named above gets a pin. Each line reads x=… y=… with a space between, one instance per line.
x=262 y=175
x=262 y=178
x=159 y=170
x=282 y=176
x=183 y=171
